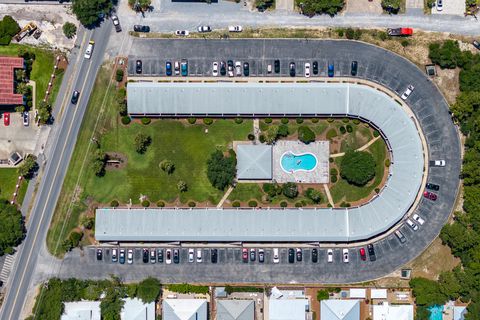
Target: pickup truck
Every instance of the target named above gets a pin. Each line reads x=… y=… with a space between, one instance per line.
x=405 y=32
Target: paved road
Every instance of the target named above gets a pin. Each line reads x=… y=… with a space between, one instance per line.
x=375 y=64
x=57 y=163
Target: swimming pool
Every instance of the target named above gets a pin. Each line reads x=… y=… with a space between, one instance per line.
x=436 y=312
x=291 y=162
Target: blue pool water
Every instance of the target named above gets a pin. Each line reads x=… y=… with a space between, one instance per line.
x=436 y=312
x=303 y=162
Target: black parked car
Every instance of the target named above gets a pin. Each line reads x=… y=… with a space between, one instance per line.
x=246 y=69
x=138 y=66
x=261 y=255
x=223 y=68
x=371 y=252
x=160 y=255
x=353 y=71
x=315 y=67
x=276 y=66
x=145 y=255
x=99 y=254
x=432 y=186
x=292 y=69
x=314 y=255
x=140 y=28
x=176 y=256
x=291 y=255
x=214 y=255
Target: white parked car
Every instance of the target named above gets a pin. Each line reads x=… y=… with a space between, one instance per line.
x=235 y=28
x=418 y=219
x=130 y=256
x=345 y=255
x=438 y=163
x=204 y=29
x=329 y=255
x=408 y=92
x=276 y=257
x=183 y=33
x=412 y=225
x=190 y=255
x=215 y=69
x=89 y=51
x=176 y=67
x=238 y=68
x=199 y=255
x=439 y=5
x=26 y=118
x=307 y=69
x=168 y=256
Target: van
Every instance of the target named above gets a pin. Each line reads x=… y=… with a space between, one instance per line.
x=276 y=258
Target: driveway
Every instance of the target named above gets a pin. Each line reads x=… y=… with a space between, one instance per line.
x=364 y=6
x=17 y=137
x=451 y=7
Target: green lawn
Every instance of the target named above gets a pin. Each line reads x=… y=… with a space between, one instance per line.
x=318 y=127
x=343 y=191
x=8 y=181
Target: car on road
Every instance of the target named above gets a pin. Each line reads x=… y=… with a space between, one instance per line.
x=430 y=195
x=184 y=68
x=329 y=255
x=354 y=68
x=291 y=255
x=315 y=67
x=25 y=118
x=400 y=236
x=116 y=23
x=439 y=5
x=191 y=252
x=176 y=67
x=130 y=256
x=261 y=255
x=276 y=257
x=307 y=69
x=437 y=163
x=476 y=44
x=199 y=255
x=418 y=219
x=407 y=92
x=314 y=255
x=299 y=254
x=432 y=186
x=168 y=256
x=215 y=69
x=99 y=254
x=235 y=28
x=89 y=50
x=182 y=33
x=363 y=255
x=114 y=255
x=371 y=252
x=276 y=66
x=145 y=255
x=223 y=68
x=138 y=66
x=246 y=69
x=74 y=100
x=253 y=254
x=204 y=29
x=168 y=68
x=331 y=70
x=140 y=28
x=153 y=256
x=176 y=256
x=238 y=68
x=214 y=255
x=121 y=256
x=230 y=68
x=345 y=255
x=160 y=255
x=291 y=68
x=245 y=255
x=412 y=224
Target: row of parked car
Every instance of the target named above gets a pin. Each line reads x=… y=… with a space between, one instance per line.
x=25 y=118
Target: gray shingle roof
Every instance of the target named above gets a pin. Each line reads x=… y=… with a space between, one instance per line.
x=235 y=309
x=254 y=162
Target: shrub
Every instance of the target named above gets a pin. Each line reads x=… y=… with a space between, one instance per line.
x=382 y=35
x=284 y=204
x=160 y=204
x=8 y=28
x=330 y=120
x=126 y=120
x=377 y=190
x=146 y=120
x=314 y=195
x=167 y=166
x=290 y=190
x=251 y=136
x=192 y=204
x=345 y=120
x=376 y=133
x=392 y=6
x=343 y=130
x=114 y=203
x=356 y=121
x=322 y=295
x=405 y=43
x=315 y=120
x=284 y=120
x=271 y=134
x=387 y=163
x=149 y=290
x=357 y=167
x=299 y=120
x=340 y=33
x=252 y=203
x=207 y=121
x=182 y=186
x=446 y=55
x=333 y=179
x=350 y=33
x=119 y=75
x=268 y=120
x=272 y=189
x=221 y=170
x=192 y=120
x=236 y=204
x=349 y=128
x=145 y=203
x=357 y=34
x=345 y=204
x=298 y=204
x=238 y=120
x=306 y=135
x=330 y=160
x=283 y=130
x=261 y=138
x=332 y=133
x=333 y=171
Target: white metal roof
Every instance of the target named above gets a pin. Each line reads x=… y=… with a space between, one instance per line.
x=389 y=312
x=254 y=162
x=184 y=309
x=287 y=309
x=358 y=293
x=378 y=294
x=81 y=310
x=135 y=309
x=340 y=309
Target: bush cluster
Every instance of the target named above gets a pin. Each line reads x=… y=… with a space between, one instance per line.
x=305 y=134
x=284 y=120
x=207 y=121
x=357 y=167
x=236 y=204
x=8 y=28
x=268 y=120
x=192 y=120
x=146 y=121
x=145 y=203
x=238 y=120
x=252 y=203
x=290 y=190
x=221 y=170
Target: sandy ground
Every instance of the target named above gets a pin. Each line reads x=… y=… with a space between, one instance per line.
x=49 y=18
x=364 y=6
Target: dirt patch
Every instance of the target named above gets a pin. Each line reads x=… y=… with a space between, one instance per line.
x=363 y=6
x=448 y=82
x=116 y=161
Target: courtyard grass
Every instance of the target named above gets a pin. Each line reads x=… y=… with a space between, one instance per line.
x=8 y=181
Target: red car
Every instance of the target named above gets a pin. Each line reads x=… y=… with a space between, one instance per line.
x=430 y=195
x=363 y=256
x=6 y=118
x=245 y=255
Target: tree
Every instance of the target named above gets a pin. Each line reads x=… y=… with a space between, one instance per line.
x=357 y=167
x=20 y=75
x=290 y=190
x=89 y=12
x=271 y=134
x=167 y=166
x=28 y=167
x=182 y=186
x=221 y=170
x=22 y=88
x=113 y=302
x=44 y=112
x=139 y=5
x=306 y=135
x=98 y=163
x=142 y=141
x=446 y=55
x=8 y=28
x=148 y=290
x=427 y=292
x=69 y=30
x=73 y=240
x=283 y=130
x=12 y=228
x=392 y=6
x=322 y=295
x=470 y=79
x=314 y=195
x=312 y=7
x=449 y=285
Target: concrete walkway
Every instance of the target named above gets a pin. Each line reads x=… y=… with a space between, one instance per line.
x=285 y=5
x=256 y=130
x=327 y=192
x=365 y=146
x=225 y=196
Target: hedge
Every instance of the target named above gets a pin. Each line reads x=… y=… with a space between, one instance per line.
x=187 y=288
x=230 y=289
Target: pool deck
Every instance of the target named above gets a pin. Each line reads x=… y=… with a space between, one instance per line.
x=321 y=149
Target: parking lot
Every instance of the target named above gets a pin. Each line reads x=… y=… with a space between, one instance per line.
x=16 y=136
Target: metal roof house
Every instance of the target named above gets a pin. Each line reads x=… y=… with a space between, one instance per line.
x=254 y=162
x=288 y=309
x=386 y=311
x=81 y=310
x=235 y=310
x=135 y=309
x=184 y=309
x=340 y=309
